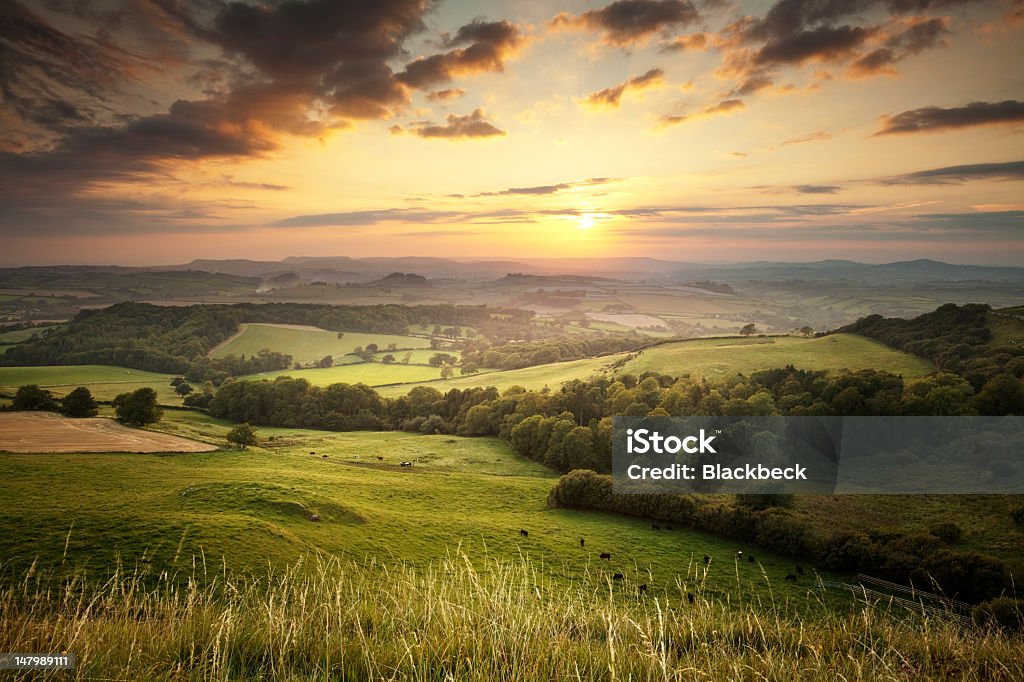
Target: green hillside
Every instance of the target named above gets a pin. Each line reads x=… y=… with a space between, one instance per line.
x=472 y=494
x=712 y=358
x=104 y=381
x=716 y=358
x=308 y=344
x=369 y=373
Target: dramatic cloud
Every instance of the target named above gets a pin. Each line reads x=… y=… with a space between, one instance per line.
x=799 y=32
x=724 y=107
x=1013 y=170
x=488 y=45
x=628 y=22
x=610 y=97
x=460 y=127
x=930 y=119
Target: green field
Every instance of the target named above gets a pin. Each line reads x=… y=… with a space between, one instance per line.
x=472 y=494
x=17 y=336
x=717 y=358
x=369 y=373
x=307 y=344
x=711 y=358
x=104 y=381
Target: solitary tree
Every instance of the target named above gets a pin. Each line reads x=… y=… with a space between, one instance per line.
x=326 y=361
x=243 y=436
x=32 y=397
x=469 y=368
x=388 y=359
x=447 y=371
x=183 y=389
x=748 y=329
x=80 y=403
x=138 y=408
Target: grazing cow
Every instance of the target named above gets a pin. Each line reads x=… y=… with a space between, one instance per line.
x=312 y=453
x=791 y=578
x=606 y=555
x=405 y=464
x=751 y=558
x=524 y=533
x=739 y=555
x=707 y=560
x=642 y=588
x=799 y=569
x=379 y=458
x=689 y=597
x=582 y=542
x=655 y=526
x=618 y=576
x=325 y=456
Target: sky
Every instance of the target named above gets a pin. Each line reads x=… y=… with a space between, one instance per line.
x=140 y=132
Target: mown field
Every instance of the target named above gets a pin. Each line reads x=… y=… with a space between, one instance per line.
x=308 y=344
x=104 y=381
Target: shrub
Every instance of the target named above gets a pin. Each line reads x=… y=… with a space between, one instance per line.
x=1004 y=612
x=243 y=436
x=947 y=531
x=80 y=403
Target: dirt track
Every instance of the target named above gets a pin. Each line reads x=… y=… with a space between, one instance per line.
x=47 y=432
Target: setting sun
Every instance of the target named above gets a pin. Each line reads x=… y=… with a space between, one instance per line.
x=585 y=221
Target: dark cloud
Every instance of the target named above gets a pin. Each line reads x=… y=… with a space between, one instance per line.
x=610 y=97
x=724 y=107
x=626 y=22
x=930 y=119
x=473 y=125
x=361 y=218
x=834 y=32
x=1013 y=170
x=487 y=46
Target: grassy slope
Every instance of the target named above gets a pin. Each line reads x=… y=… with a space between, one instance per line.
x=104 y=381
x=19 y=335
x=711 y=358
x=369 y=373
x=307 y=344
x=251 y=507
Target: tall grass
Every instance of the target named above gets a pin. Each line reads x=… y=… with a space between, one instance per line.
x=338 y=619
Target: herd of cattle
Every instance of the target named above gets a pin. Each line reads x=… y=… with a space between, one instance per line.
x=607 y=556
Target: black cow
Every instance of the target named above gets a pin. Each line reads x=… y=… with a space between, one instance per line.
x=791 y=578
x=642 y=588
x=325 y=456
x=312 y=453
x=524 y=533
x=379 y=458
x=707 y=560
x=689 y=597
x=582 y=542
x=618 y=576
x=751 y=558
x=799 y=569
x=606 y=555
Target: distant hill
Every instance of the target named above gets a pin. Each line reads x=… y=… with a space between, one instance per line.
x=401 y=279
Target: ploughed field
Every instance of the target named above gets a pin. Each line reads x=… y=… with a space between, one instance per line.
x=47 y=432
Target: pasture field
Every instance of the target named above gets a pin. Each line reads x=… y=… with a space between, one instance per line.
x=19 y=335
x=104 y=381
x=48 y=432
x=536 y=378
x=369 y=373
x=712 y=358
x=307 y=344
x=717 y=358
